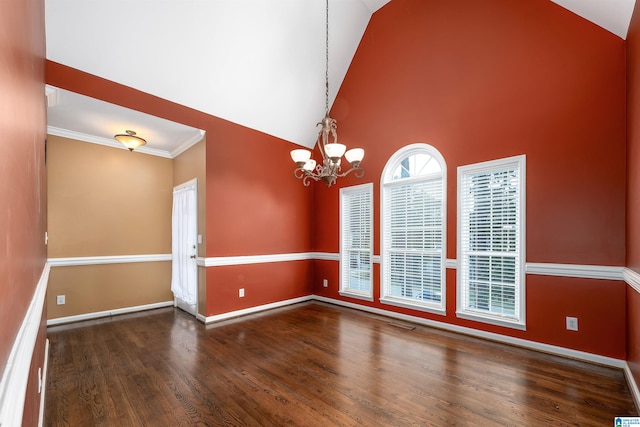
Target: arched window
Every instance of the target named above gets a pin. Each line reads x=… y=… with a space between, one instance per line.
x=413 y=229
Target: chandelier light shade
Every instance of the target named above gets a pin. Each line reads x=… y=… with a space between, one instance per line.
x=130 y=140
x=332 y=151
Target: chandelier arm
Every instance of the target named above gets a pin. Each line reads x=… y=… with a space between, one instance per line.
x=306 y=176
x=359 y=172
x=299 y=173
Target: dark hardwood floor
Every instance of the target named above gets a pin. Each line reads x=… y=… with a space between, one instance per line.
x=313 y=364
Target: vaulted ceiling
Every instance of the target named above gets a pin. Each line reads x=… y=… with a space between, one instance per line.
x=257 y=63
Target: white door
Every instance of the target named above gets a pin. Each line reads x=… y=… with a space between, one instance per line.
x=184 y=243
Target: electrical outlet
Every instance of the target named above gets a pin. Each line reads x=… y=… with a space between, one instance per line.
x=572 y=323
x=241 y=293
x=325 y=283
x=60 y=300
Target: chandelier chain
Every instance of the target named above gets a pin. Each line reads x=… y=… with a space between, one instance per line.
x=326 y=62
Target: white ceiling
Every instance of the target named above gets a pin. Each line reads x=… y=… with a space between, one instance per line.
x=257 y=63
x=87 y=119
x=612 y=15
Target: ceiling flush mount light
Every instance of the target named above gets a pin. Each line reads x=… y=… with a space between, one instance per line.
x=327 y=142
x=130 y=140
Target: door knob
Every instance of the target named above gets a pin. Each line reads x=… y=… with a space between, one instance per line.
x=192 y=256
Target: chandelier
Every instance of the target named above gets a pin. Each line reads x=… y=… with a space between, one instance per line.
x=327 y=142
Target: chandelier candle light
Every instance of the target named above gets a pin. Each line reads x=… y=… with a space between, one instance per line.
x=327 y=142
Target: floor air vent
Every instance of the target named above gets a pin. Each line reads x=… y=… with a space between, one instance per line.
x=402 y=325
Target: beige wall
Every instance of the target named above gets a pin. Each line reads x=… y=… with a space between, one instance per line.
x=95 y=288
x=187 y=166
x=105 y=201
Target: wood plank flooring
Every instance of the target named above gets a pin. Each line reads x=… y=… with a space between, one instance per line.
x=313 y=364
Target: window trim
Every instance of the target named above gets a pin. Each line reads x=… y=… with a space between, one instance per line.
x=368 y=296
x=491 y=166
x=385 y=181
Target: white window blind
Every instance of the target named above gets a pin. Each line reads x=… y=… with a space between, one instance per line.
x=413 y=229
x=491 y=244
x=356 y=213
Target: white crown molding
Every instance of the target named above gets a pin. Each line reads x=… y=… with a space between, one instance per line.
x=13 y=384
x=547 y=348
x=108 y=313
x=52 y=95
x=187 y=144
x=108 y=142
x=575 y=270
x=111 y=259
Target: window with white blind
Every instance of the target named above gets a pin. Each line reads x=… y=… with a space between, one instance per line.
x=356 y=241
x=491 y=228
x=413 y=229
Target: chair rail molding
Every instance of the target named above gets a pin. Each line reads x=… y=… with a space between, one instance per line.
x=109 y=259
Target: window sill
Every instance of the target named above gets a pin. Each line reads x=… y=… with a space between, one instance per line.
x=365 y=297
x=420 y=307
x=491 y=320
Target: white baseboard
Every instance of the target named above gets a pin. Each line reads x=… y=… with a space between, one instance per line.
x=532 y=345
x=633 y=386
x=107 y=313
x=13 y=384
x=43 y=383
x=251 y=310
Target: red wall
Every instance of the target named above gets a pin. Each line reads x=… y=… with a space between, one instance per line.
x=477 y=80
x=22 y=176
x=633 y=191
x=487 y=80
x=254 y=205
